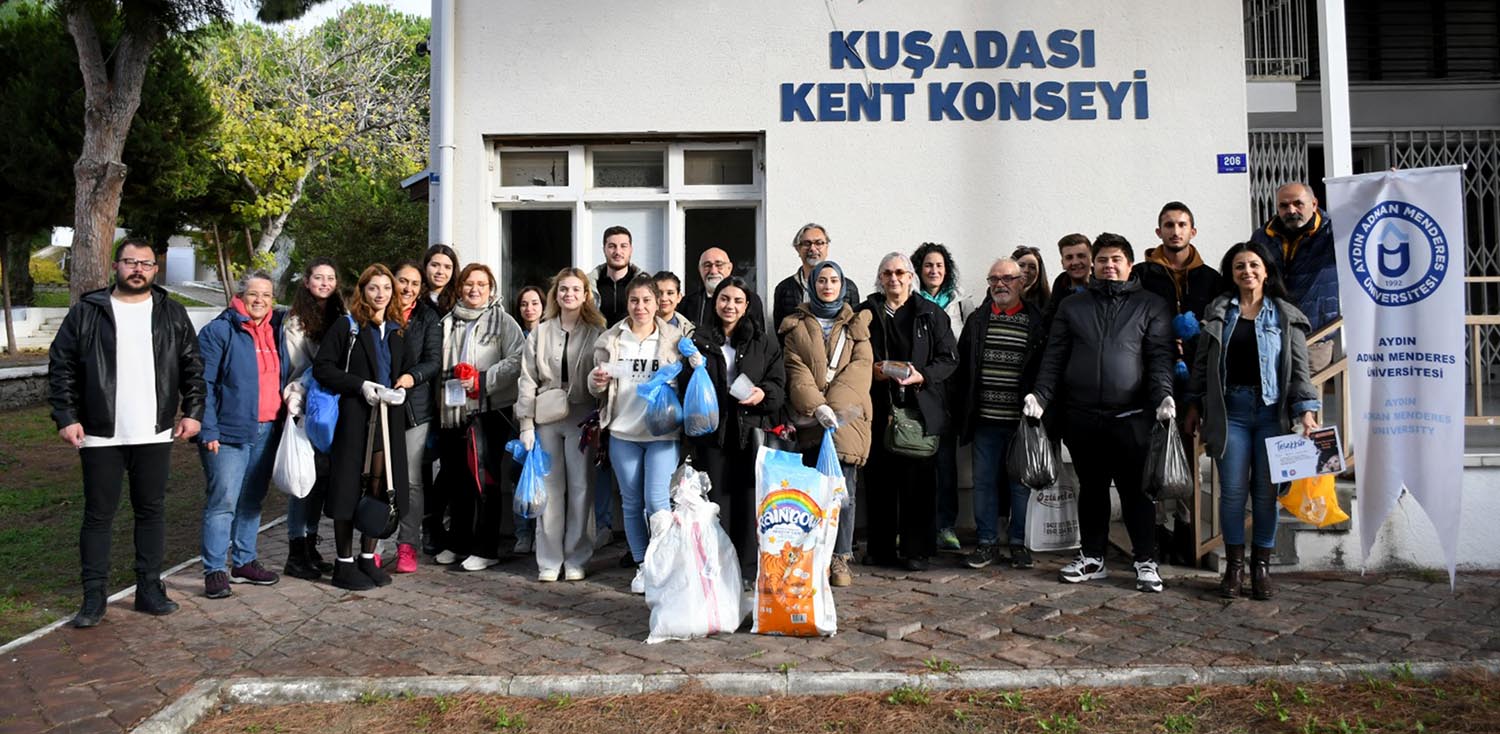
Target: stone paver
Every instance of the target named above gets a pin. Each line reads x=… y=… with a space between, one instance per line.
x=497 y=622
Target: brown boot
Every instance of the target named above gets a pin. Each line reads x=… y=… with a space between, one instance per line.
x=1260 y=574
x=1233 y=583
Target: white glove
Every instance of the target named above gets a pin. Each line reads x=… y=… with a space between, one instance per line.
x=294 y=405
x=293 y=388
x=371 y=392
x=528 y=438
x=825 y=416
x=492 y=376
x=1030 y=407
x=1167 y=410
x=393 y=397
x=695 y=361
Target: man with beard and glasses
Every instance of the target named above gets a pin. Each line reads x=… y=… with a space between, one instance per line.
x=714 y=266
x=123 y=362
x=812 y=243
x=1300 y=238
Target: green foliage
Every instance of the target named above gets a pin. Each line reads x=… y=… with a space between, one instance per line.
x=938 y=665
x=1088 y=702
x=909 y=696
x=358 y=221
x=47 y=272
x=1059 y=723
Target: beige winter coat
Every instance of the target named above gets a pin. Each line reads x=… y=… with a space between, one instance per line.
x=541 y=361
x=807 y=383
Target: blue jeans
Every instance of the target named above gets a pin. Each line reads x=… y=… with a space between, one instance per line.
x=644 y=471
x=843 y=545
x=304 y=514
x=238 y=476
x=947 y=481
x=1251 y=422
x=991 y=443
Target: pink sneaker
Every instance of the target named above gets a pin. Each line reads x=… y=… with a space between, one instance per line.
x=406 y=558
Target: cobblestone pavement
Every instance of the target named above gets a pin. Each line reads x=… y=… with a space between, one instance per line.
x=446 y=622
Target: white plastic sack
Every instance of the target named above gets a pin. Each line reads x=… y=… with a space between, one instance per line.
x=691 y=573
x=1052 y=514
x=797 y=515
x=294 y=471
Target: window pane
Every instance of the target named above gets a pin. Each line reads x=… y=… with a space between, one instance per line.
x=534 y=169
x=718 y=167
x=629 y=168
x=730 y=229
x=534 y=246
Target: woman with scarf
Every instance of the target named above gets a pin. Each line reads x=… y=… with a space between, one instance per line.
x=316 y=305
x=734 y=344
x=245 y=370
x=828 y=373
x=360 y=362
x=481 y=348
x=643 y=460
x=939 y=285
x=915 y=352
x=1035 y=290
x=424 y=352
x=553 y=409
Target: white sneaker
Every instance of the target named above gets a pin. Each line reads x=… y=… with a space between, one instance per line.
x=478 y=563
x=445 y=558
x=546 y=576
x=638 y=584
x=603 y=537
x=1146 y=577
x=573 y=574
x=1083 y=568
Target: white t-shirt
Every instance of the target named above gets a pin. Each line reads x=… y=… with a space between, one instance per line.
x=629 y=418
x=135 y=379
x=731 y=370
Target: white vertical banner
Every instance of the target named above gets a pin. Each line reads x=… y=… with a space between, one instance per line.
x=1399 y=239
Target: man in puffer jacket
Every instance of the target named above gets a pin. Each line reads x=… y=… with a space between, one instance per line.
x=1108 y=364
x=1300 y=239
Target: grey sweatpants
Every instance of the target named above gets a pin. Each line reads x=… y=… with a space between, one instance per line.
x=410 y=532
x=565 y=531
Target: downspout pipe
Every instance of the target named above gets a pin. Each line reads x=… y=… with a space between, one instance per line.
x=440 y=181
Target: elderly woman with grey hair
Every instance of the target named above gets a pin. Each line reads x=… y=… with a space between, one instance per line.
x=915 y=354
x=246 y=369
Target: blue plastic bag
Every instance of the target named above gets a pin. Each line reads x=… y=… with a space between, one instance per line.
x=700 y=404
x=531 y=491
x=663 y=411
x=828 y=466
x=321 y=407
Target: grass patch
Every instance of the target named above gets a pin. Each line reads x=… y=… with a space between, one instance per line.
x=41 y=510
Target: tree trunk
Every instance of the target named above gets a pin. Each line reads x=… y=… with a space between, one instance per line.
x=17 y=251
x=112 y=93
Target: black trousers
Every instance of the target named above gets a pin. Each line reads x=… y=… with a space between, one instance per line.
x=104 y=469
x=1106 y=449
x=900 y=498
x=474 y=527
x=731 y=471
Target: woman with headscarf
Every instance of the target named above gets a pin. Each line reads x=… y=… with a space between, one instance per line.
x=828 y=373
x=915 y=352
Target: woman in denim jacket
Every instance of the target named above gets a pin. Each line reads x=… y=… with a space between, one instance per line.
x=1258 y=387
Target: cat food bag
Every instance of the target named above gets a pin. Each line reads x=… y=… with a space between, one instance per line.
x=797 y=517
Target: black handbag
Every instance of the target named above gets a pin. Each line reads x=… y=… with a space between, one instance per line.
x=377 y=514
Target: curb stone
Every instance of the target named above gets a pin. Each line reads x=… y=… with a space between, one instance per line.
x=204 y=696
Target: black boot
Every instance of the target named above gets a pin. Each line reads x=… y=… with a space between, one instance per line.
x=298 y=564
x=95 y=602
x=1260 y=574
x=316 y=558
x=374 y=573
x=346 y=575
x=1233 y=583
x=151 y=597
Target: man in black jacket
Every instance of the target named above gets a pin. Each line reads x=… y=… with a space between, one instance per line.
x=1108 y=361
x=123 y=361
x=714 y=266
x=1176 y=271
x=997 y=356
x=612 y=278
x=811 y=243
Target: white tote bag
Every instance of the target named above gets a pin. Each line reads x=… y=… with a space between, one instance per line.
x=294 y=471
x=1052 y=514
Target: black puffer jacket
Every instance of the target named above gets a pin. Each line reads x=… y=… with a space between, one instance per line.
x=81 y=364
x=934 y=354
x=965 y=392
x=696 y=307
x=1109 y=351
x=758 y=356
x=424 y=355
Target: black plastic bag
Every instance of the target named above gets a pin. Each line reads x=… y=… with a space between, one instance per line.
x=1167 y=474
x=1030 y=459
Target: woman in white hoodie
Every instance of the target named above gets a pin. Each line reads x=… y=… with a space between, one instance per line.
x=553 y=409
x=626 y=357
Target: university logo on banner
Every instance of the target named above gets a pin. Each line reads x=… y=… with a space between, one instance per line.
x=1399 y=237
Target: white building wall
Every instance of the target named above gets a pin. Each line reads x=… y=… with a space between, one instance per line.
x=982 y=187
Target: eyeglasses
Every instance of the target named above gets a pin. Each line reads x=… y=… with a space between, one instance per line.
x=894 y=273
x=812 y=243
x=998 y=279
x=131 y=262
x=716 y=264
